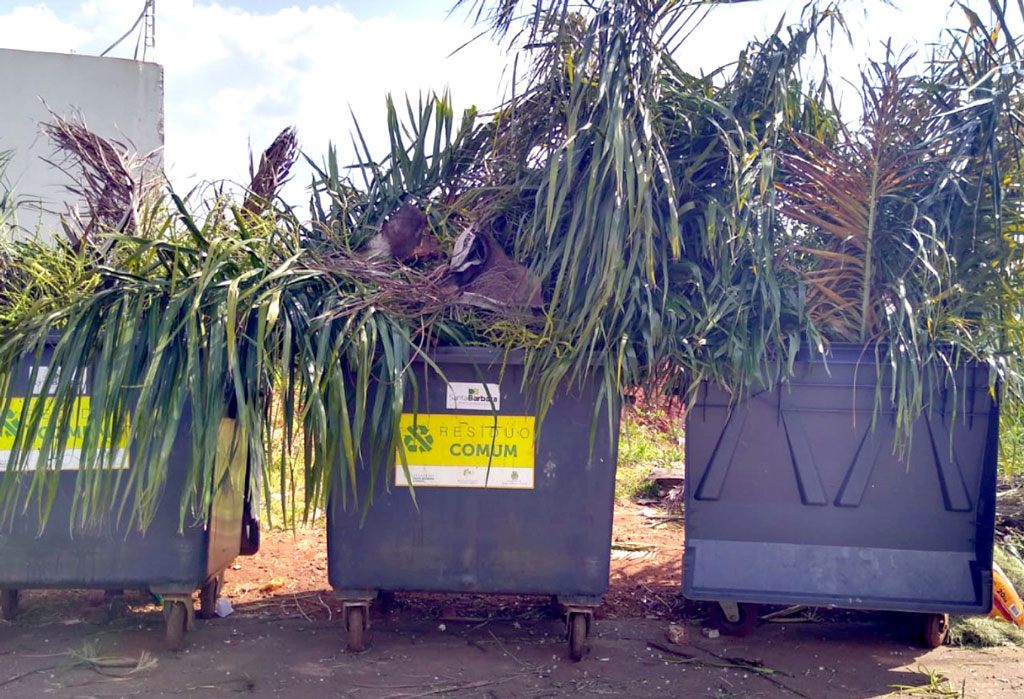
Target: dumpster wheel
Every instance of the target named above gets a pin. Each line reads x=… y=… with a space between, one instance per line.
x=176 y=620
x=744 y=621
x=9 y=597
x=208 y=596
x=577 y=624
x=355 y=626
x=936 y=628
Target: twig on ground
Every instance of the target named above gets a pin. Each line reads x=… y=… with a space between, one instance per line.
x=382 y=687
x=330 y=612
x=507 y=651
x=630 y=546
x=453 y=688
x=671 y=651
x=742 y=661
x=667 y=520
x=27 y=673
x=115 y=668
x=242 y=684
x=655 y=595
x=731 y=663
x=785 y=612
x=301 y=610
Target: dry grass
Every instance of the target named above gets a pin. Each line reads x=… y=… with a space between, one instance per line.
x=983 y=632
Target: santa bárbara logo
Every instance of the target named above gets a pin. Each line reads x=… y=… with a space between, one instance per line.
x=473 y=396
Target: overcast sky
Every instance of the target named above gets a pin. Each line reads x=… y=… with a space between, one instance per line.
x=240 y=70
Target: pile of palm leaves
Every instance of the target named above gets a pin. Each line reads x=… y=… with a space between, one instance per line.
x=617 y=215
x=910 y=238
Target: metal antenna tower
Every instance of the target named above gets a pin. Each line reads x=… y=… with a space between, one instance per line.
x=149 y=27
x=146 y=24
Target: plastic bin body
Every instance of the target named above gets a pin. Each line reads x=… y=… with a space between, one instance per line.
x=552 y=539
x=113 y=556
x=791 y=498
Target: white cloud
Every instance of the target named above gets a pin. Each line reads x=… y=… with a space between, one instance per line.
x=233 y=77
x=37 y=28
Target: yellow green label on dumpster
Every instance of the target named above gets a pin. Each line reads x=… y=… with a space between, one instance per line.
x=467 y=451
x=73 y=452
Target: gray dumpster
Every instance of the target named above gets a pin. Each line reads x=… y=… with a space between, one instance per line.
x=792 y=498
x=498 y=513
x=115 y=557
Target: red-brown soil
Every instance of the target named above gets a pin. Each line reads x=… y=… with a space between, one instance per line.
x=286 y=638
x=289 y=575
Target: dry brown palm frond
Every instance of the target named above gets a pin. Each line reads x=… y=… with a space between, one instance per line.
x=851 y=192
x=392 y=287
x=111 y=180
x=496 y=286
x=275 y=165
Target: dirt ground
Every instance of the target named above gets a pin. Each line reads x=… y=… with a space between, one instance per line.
x=289 y=576
x=285 y=638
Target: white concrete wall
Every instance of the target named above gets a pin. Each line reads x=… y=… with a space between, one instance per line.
x=117 y=98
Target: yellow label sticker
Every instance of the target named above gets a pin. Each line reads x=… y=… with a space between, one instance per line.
x=467 y=451
x=73 y=451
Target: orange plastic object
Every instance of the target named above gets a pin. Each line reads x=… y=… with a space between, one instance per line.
x=1006 y=603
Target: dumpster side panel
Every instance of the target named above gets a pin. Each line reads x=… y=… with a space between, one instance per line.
x=792 y=497
x=113 y=555
x=108 y=555
x=551 y=539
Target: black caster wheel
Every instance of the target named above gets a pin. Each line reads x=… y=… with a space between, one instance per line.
x=176 y=621
x=9 y=598
x=208 y=596
x=355 y=627
x=577 y=635
x=744 y=622
x=936 y=628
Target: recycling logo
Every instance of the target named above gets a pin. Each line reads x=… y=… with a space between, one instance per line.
x=418 y=439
